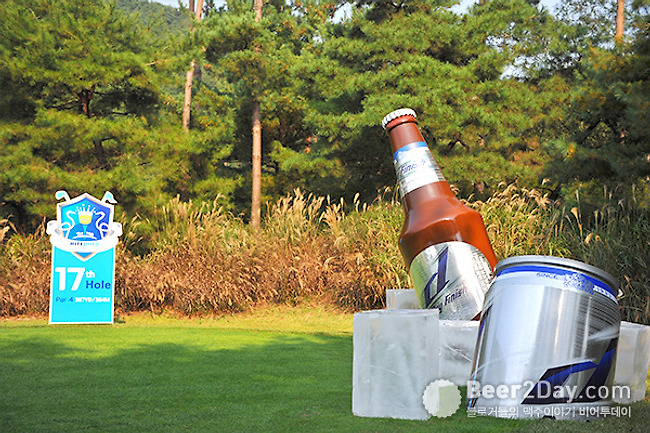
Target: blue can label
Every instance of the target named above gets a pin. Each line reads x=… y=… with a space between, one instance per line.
x=559 y=277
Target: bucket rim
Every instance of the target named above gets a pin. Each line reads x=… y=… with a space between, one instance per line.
x=571 y=264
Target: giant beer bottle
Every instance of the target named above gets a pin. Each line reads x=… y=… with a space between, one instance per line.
x=443 y=242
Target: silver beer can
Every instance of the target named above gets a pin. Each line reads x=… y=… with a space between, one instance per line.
x=547 y=341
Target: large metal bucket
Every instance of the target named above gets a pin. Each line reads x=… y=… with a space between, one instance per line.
x=547 y=341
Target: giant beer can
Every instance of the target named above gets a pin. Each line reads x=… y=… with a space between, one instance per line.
x=547 y=341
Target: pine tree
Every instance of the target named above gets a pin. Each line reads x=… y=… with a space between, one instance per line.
x=449 y=68
x=77 y=91
x=606 y=139
x=196 y=11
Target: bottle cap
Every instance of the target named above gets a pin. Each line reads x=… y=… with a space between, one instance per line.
x=395 y=114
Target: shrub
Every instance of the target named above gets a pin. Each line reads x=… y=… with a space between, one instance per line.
x=202 y=259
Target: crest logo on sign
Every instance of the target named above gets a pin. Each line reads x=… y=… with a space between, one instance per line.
x=85 y=219
x=84 y=225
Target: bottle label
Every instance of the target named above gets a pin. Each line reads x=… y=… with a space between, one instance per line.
x=415 y=167
x=452 y=277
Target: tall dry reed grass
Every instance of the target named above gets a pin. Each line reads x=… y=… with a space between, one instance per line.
x=25 y=263
x=205 y=260
x=202 y=260
x=521 y=221
x=616 y=237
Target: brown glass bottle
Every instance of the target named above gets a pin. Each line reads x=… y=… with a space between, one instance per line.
x=444 y=243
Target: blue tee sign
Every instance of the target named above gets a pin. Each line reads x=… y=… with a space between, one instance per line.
x=83 y=259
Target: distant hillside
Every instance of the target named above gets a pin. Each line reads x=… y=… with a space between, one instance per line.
x=162 y=20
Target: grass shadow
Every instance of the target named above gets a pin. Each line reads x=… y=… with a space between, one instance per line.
x=114 y=379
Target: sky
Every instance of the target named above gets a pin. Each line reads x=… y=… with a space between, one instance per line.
x=550 y=4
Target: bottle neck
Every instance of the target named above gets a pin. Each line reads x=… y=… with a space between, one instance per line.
x=403 y=131
x=414 y=165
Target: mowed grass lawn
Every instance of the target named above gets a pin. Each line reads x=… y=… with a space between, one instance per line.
x=275 y=370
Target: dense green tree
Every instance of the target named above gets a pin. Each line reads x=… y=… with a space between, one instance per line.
x=582 y=25
x=449 y=68
x=594 y=21
x=606 y=139
x=82 y=111
x=160 y=19
x=91 y=100
x=83 y=57
x=256 y=59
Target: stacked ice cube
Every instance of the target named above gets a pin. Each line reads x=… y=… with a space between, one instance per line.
x=457 y=339
x=395 y=358
x=632 y=363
